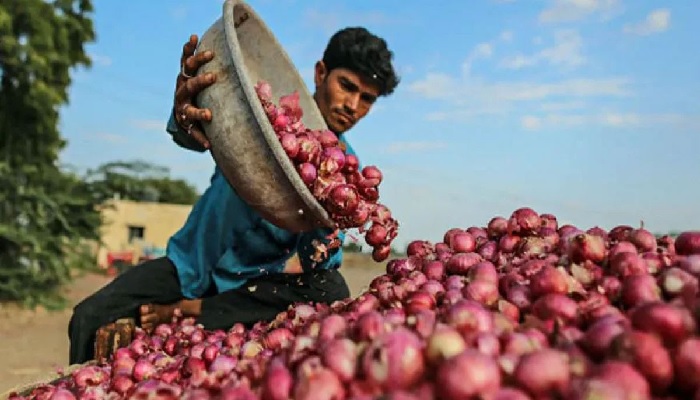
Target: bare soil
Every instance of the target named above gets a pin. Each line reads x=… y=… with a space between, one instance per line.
x=34 y=343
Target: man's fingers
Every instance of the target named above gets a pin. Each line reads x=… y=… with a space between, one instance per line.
x=197 y=114
x=193 y=63
x=191 y=87
x=197 y=84
x=189 y=48
x=199 y=136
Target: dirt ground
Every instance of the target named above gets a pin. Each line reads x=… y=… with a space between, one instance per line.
x=34 y=344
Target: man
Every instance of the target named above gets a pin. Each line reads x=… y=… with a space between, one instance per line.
x=227 y=264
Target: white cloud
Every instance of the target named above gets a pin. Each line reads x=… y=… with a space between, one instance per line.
x=566 y=51
x=467 y=97
x=179 y=13
x=407 y=147
x=100 y=59
x=149 y=124
x=331 y=20
x=562 y=106
x=574 y=10
x=608 y=119
x=656 y=21
x=107 y=137
x=506 y=36
x=484 y=50
x=441 y=86
x=530 y=122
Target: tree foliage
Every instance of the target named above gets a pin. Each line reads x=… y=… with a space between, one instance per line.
x=46 y=212
x=140 y=181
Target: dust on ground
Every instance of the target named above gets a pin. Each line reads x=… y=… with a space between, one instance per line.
x=34 y=344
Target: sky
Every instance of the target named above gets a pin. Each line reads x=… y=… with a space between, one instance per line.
x=587 y=109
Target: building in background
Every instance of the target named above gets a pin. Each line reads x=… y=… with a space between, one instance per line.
x=134 y=231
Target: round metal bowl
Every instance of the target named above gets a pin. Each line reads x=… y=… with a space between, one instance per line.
x=243 y=143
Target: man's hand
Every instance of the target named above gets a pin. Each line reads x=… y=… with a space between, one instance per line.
x=187 y=86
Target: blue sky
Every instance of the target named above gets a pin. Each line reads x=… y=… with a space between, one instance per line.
x=587 y=109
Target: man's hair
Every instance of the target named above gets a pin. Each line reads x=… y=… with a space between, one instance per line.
x=364 y=53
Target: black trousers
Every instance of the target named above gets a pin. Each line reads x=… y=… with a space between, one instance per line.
x=156 y=282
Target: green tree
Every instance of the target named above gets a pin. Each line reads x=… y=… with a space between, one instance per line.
x=46 y=212
x=141 y=181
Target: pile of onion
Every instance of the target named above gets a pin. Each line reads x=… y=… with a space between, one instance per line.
x=349 y=194
x=521 y=308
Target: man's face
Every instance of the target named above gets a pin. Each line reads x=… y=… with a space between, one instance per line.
x=343 y=97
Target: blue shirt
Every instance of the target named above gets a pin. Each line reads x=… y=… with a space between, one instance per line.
x=225 y=242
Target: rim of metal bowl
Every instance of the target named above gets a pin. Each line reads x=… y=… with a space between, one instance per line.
x=319 y=213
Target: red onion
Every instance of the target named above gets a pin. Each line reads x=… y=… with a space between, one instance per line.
x=482 y=292
x=373 y=176
x=461 y=262
x=484 y=271
x=625 y=264
x=343 y=200
x=626 y=376
x=688 y=243
x=687 y=365
x=671 y=323
x=543 y=372
x=690 y=264
x=434 y=270
x=462 y=242
x=587 y=247
x=674 y=280
x=648 y=355
x=548 y=280
x=597 y=339
x=508 y=243
x=479 y=234
x=321 y=384
x=597 y=389
x=470 y=374
x=340 y=356
x=642 y=239
x=308 y=174
x=469 y=317
x=497 y=227
x=394 y=360
x=445 y=342
x=555 y=306
x=419 y=300
x=639 y=289
x=620 y=233
x=328 y=139
x=524 y=221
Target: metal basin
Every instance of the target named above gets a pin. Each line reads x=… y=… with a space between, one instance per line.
x=243 y=143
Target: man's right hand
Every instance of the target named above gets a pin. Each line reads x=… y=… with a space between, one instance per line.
x=187 y=86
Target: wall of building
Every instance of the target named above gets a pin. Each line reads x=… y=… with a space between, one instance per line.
x=134 y=226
